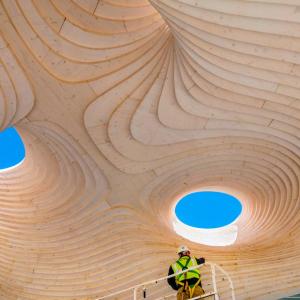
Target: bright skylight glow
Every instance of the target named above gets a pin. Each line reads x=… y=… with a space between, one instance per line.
x=12 y=150
x=208 y=209
x=207 y=218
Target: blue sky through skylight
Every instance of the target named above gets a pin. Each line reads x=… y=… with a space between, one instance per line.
x=208 y=209
x=12 y=150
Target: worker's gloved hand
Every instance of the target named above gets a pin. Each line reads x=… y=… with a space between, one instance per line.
x=201 y=260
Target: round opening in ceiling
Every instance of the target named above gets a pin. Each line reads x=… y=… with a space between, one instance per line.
x=207 y=217
x=12 y=150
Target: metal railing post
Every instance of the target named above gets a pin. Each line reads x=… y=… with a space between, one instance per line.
x=232 y=290
x=213 y=274
x=135 y=293
x=229 y=279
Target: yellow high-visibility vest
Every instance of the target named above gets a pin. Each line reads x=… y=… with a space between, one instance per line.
x=183 y=263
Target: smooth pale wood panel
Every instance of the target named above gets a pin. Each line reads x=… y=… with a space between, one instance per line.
x=17 y=95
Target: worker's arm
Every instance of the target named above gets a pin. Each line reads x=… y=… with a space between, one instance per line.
x=172 y=281
x=200 y=260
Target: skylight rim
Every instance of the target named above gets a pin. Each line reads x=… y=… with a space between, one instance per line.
x=208 y=189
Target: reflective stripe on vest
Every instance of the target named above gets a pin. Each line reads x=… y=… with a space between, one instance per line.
x=181 y=264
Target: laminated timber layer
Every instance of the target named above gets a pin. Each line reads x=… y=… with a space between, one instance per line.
x=125 y=104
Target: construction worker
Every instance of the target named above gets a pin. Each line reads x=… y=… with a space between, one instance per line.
x=187 y=284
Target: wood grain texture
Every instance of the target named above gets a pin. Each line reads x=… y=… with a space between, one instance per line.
x=125 y=105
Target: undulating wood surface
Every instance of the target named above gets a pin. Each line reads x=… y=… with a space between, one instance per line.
x=125 y=104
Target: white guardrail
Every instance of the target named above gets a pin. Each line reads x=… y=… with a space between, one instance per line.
x=215 y=281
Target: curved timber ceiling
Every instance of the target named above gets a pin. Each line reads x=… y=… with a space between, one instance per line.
x=125 y=105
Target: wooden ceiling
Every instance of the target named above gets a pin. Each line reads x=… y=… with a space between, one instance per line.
x=125 y=104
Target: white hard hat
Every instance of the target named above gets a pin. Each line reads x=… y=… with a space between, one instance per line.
x=182 y=248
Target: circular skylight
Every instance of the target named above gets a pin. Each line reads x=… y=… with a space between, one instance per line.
x=12 y=150
x=208 y=209
x=207 y=218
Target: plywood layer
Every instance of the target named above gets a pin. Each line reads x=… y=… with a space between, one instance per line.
x=125 y=105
